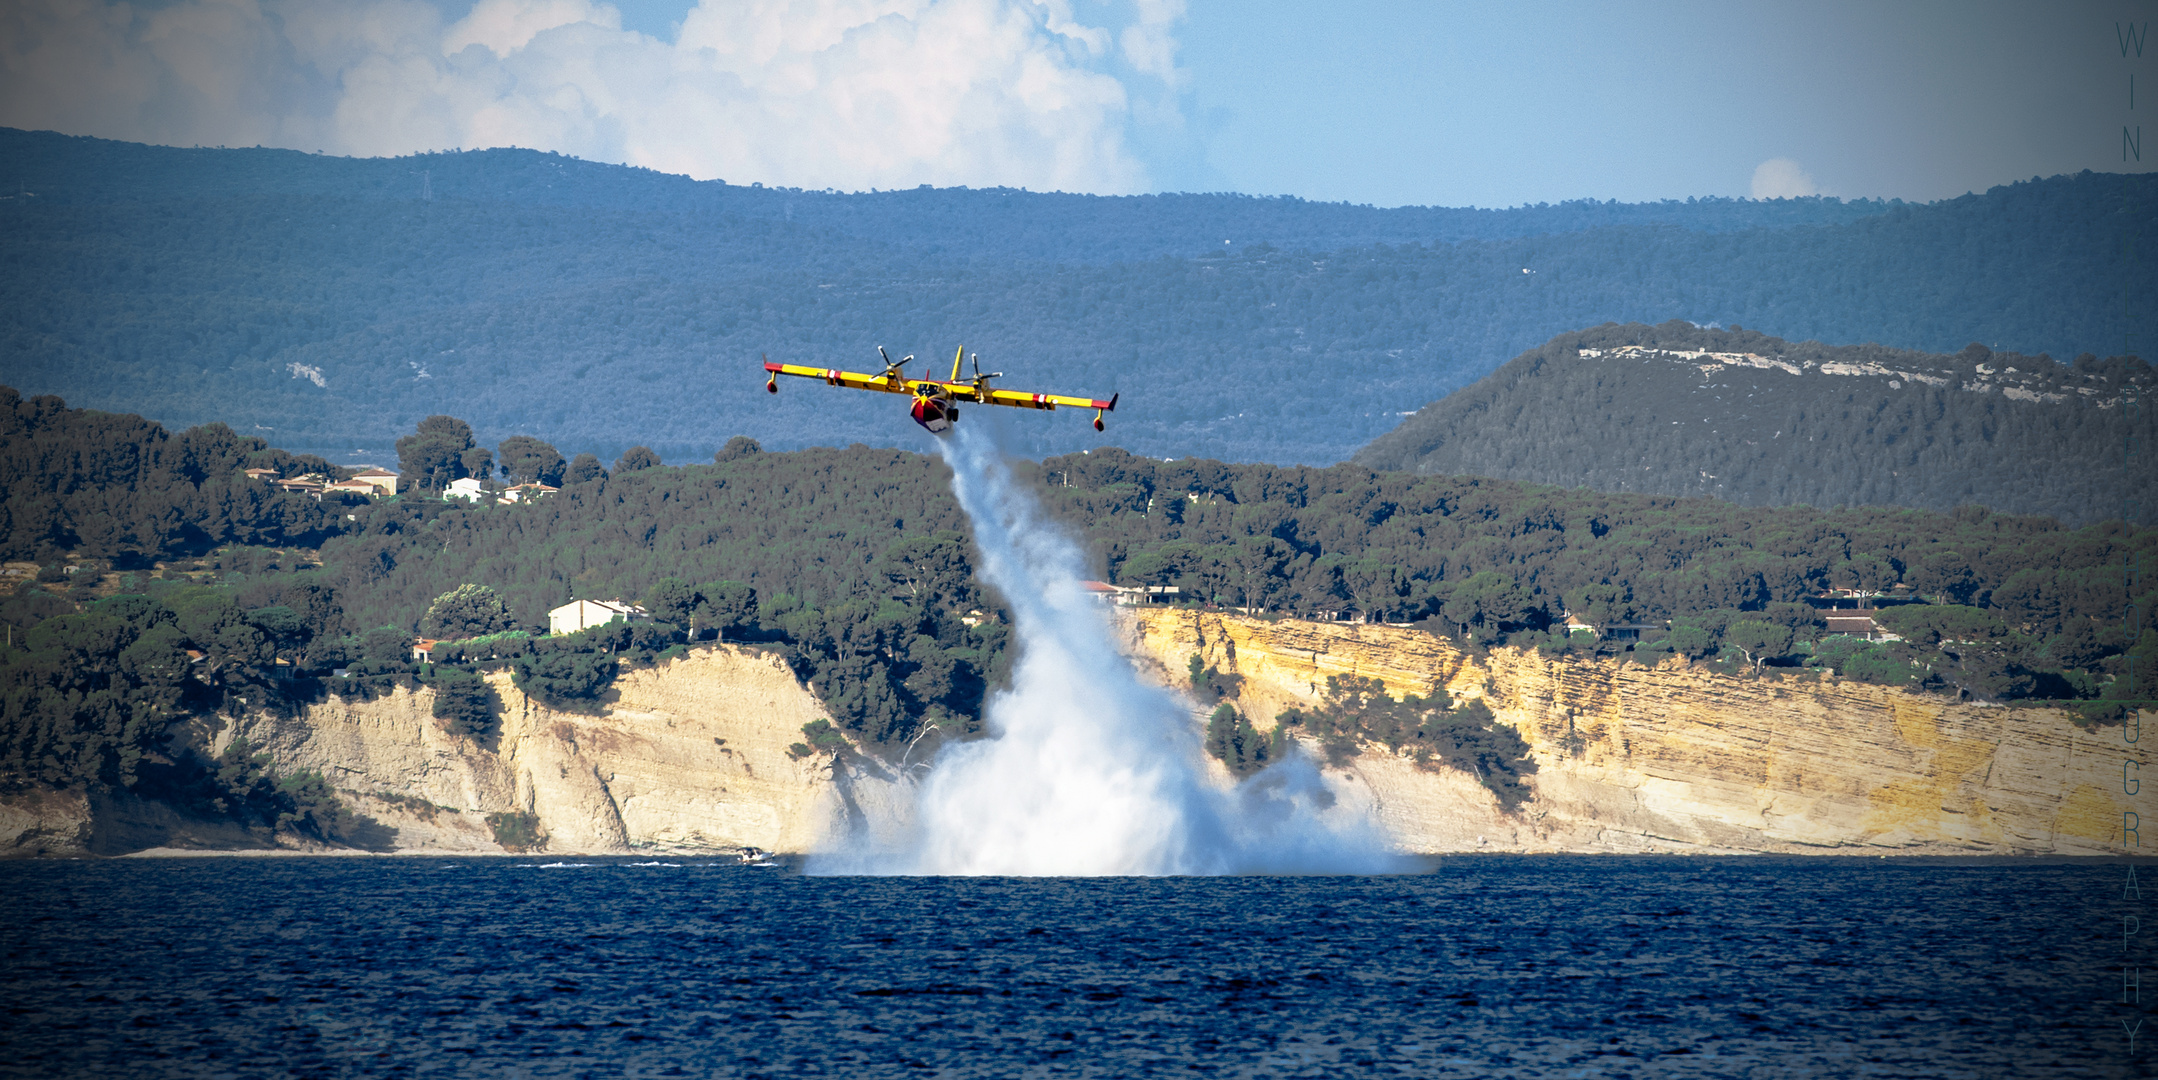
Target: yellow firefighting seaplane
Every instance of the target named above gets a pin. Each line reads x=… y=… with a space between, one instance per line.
x=936 y=404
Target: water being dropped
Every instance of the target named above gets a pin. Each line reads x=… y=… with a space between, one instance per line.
x=1088 y=769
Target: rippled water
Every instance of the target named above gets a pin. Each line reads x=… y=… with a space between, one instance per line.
x=1500 y=966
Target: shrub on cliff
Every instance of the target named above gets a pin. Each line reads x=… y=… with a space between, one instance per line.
x=310 y=808
x=1472 y=740
x=237 y=785
x=823 y=735
x=564 y=678
x=464 y=702
x=1234 y=741
x=1208 y=683
x=517 y=830
x=1432 y=730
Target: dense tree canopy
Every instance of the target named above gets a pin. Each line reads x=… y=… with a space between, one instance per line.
x=635 y=458
x=120 y=487
x=1494 y=560
x=1680 y=410
x=528 y=460
x=434 y=456
x=467 y=611
x=582 y=468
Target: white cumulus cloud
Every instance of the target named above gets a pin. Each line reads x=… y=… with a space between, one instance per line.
x=505 y=26
x=1782 y=178
x=815 y=93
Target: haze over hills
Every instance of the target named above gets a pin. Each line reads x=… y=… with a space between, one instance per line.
x=1739 y=415
x=994 y=224
x=325 y=304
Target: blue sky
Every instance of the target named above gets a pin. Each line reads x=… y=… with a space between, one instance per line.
x=1380 y=102
x=1470 y=105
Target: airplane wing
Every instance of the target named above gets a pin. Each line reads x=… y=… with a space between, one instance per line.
x=854 y=379
x=958 y=391
x=1023 y=400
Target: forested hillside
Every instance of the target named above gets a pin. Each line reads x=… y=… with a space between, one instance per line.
x=1739 y=415
x=856 y=565
x=120 y=487
x=326 y=305
x=998 y=225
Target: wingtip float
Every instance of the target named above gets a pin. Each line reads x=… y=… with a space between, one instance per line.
x=936 y=402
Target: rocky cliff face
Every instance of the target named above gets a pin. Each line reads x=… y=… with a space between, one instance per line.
x=688 y=756
x=1631 y=758
x=691 y=756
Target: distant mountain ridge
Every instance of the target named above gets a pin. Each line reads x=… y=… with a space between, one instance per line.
x=997 y=224
x=1681 y=410
x=323 y=303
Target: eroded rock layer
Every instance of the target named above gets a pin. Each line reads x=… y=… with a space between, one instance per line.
x=693 y=756
x=1634 y=758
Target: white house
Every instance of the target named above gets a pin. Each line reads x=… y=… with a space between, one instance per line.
x=382 y=479
x=467 y=489
x=1136 y=595
x=585 y=614
x=1609 y=631
x=523 y=492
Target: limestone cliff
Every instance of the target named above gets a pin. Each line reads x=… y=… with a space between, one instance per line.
x=691 y=756
x=1632 y=758
x=687 y=755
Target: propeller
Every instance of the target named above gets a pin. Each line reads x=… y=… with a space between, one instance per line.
x=981 y=381
x=892 y=370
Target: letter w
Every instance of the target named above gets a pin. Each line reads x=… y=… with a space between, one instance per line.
x=2133 y=35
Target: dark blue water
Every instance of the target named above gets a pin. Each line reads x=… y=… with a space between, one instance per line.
x=1486 y=967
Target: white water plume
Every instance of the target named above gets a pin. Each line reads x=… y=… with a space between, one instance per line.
x=1088 y=770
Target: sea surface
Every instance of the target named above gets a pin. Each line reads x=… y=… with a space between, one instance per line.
x=1483 y=967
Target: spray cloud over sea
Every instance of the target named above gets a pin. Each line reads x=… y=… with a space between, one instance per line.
x=1088 y=770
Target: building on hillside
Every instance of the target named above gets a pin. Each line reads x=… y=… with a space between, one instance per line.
x=302 y=485
x=585 y=614
x=1858 y=598
x=380 y=478
x=423 y=649
x=521 y=492
x=1609 y=631
x=1857 y=625
x=261 y=474
x=354 y=486
x=1101 y=590
x=467 y=489
x=1135 y=595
